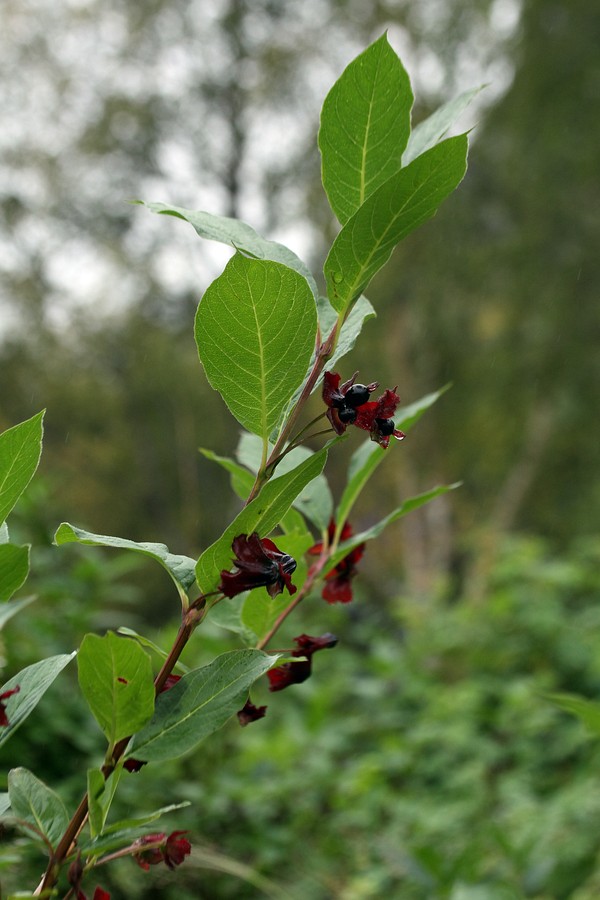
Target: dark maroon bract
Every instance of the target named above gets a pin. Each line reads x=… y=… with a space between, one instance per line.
x=171 y=850
x=298 y=671
x=259 y=563
x=3 y=717
x=338 y=581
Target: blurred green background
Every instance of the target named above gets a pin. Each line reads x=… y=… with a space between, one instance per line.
x=422 y=760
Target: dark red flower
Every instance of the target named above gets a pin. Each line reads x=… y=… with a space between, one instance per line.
x=259 y=563
x=171 y=850
x=344 y=400
x=134 y=765
x=298 y=671
x=376 y=418
x=251 y=713
x=3 y=717
x=338 y=581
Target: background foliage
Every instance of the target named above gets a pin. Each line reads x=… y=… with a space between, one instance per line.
x=422 y=759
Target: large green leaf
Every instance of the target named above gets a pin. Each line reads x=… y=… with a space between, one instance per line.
x=14 y=568
x=115 y=677
x=199 y=704
x=427 y=133
x=180 y=568
x=34 y=802
x=403 y=510
x=365 y=124
x=20 y=450
x=238 y=235
x=33 y=682
x=261 y=515
x=255 y=330
x=400 y=205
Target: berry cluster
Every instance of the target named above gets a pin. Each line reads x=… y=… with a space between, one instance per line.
x=349 y=404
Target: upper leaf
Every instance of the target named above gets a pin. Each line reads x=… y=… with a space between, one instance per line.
x=115 y=677
x=33 y=682
x=427 y=133
x=400 y=205
x=199 y=704
x=238 y=235
x=33 y=801
x=365 y=124
x=20 y=450
x=261 y=515
x=180 y=568
x=255 y=330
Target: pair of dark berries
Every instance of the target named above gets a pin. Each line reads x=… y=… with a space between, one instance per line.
x=349 y=404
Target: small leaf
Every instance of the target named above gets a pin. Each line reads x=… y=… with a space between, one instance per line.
x=261 y=515
x=101 y=793
x=365 y=124
x=20 y=451
x=180 y=568
x=123 y=833
x=238 y=235
x=586 y=710
x=199 y=704
x=146 y=642
x=14 y=568
x=400 y=205
x=427 y=134
x=409 y=415
x=241 y=479
x=403 y=510
x=255 y=331
x=10 y=609
x=34 y=802
x=33 y=682
x=115 y=677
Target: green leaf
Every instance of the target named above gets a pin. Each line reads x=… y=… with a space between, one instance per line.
x=365 y=124
x=261 y=515
x=427 y=133
x=14 y=568
x=115 y=677
x=10 y=609
x=180 y=568
x=101 y=793
x=410 y=415
x=238 y=235
x=400 y=205
x=403 y=510
x=4 y=803
x=33 y=682
x=34 y=802
x=20 y=451
x=586 y=710
x=315 y=501
x=199 y=704
x=227 y=614
x=260 y=610
x=241 y=479
x=122 y=833
x=255 y=331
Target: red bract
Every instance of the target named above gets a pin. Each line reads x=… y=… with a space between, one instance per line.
x=134 y=765
x=259 y=563
x=251 y=713
x=344 y=400
x=171 y=850
x=298 y=671
x=338 y=581
x=376 y=418
x=3 y=717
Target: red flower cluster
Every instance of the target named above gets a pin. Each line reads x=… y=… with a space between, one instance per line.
x=338 y=581
x=349 y=404
x=296 y=672
x=3 y=717
x=171 y=850
x=259 y=563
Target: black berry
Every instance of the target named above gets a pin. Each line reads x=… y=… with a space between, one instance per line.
x=347 y=415
x=356 y=395
x=385 y=426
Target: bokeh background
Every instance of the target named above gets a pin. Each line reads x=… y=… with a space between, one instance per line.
x=423 y=759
